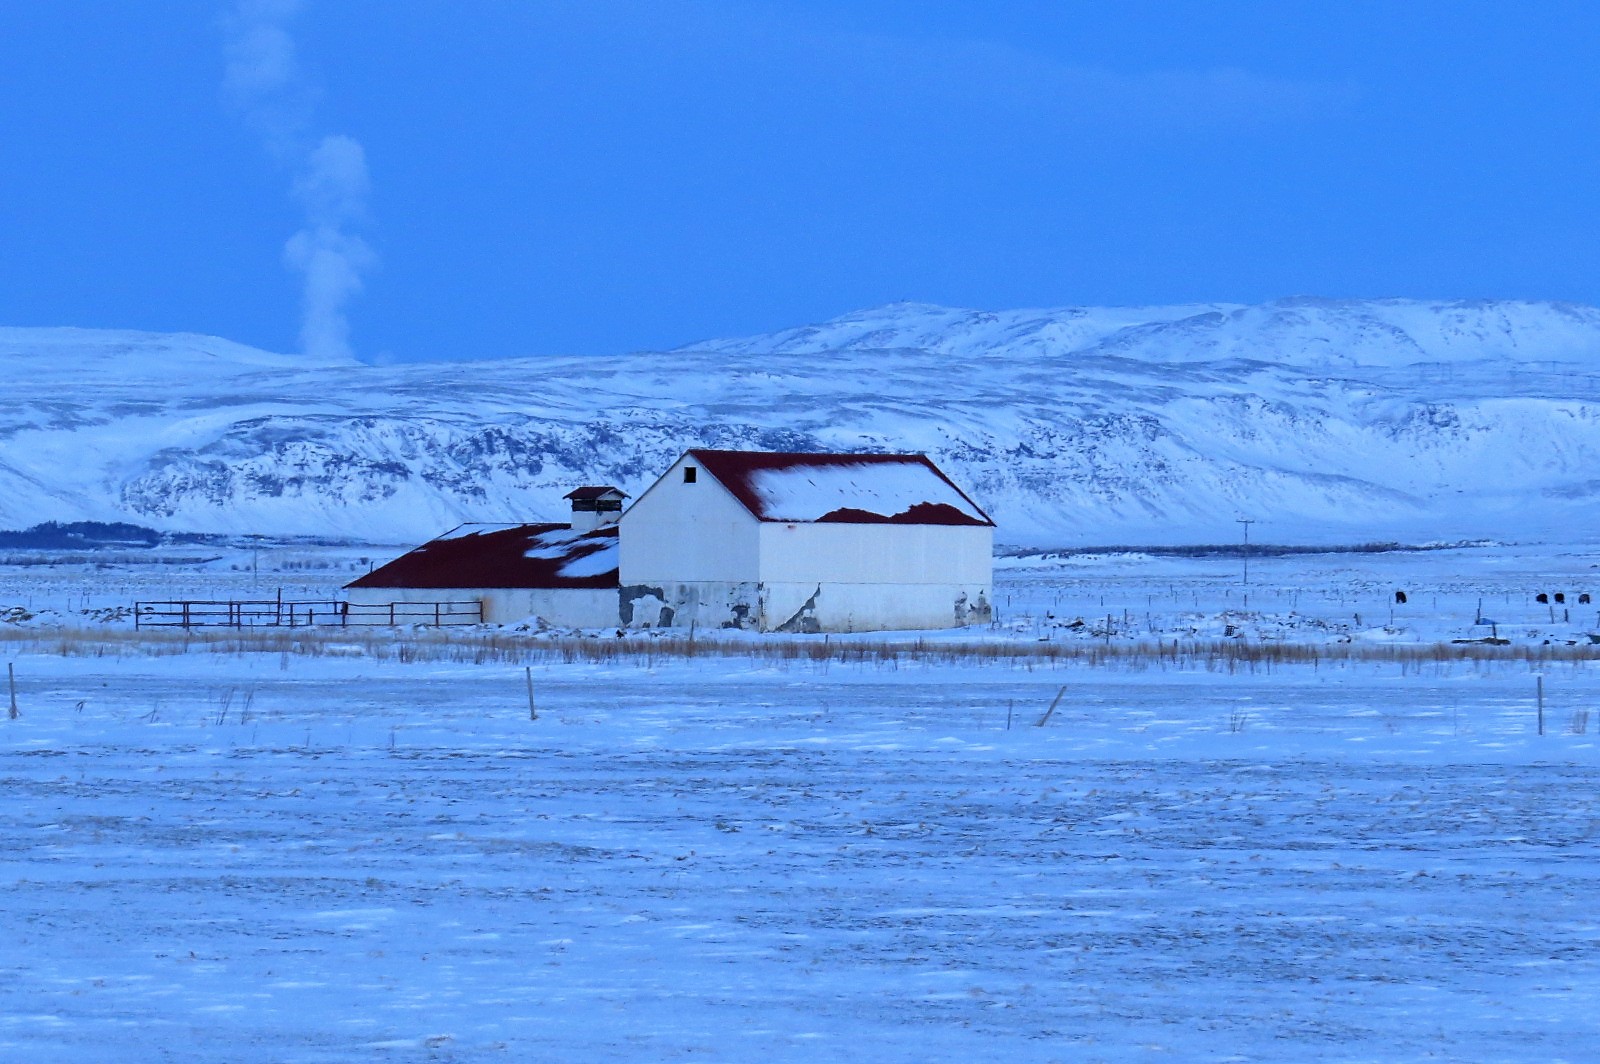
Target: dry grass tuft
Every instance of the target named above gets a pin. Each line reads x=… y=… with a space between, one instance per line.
x=489 y=647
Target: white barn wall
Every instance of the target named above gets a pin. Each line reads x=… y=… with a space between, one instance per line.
x=876 y=553
x=565 y=606
x=841 y=607
x=839 y=577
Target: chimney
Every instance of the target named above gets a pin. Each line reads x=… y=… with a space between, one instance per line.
x=595 y=507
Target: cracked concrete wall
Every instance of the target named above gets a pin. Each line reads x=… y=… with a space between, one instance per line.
x=705 y=604
x=813 y=607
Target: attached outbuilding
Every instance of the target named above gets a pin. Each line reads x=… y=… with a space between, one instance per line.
x=564 y=574
x=794 y=542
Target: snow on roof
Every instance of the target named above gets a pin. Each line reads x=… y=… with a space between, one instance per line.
x=855 y=488
x=588 y=492
x=490 y=556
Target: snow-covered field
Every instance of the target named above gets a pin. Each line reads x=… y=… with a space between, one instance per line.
x=297 y=857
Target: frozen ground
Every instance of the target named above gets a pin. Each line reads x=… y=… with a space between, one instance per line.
x=280 y=857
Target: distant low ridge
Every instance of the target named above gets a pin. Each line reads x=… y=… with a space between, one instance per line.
x=80 y=535
x=1330 y=421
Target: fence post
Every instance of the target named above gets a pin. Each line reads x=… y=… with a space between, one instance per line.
x=1056 y=702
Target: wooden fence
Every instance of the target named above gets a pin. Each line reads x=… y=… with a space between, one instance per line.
x=278 y=613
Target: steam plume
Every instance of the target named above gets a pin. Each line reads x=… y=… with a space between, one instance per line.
x=330 y=184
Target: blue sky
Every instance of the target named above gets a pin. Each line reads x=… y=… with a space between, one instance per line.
x=603 y=175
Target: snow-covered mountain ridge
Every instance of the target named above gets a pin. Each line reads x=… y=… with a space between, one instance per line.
x=1326 y=420
x=1305 y=332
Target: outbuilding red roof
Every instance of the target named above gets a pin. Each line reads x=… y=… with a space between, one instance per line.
x=491 y=556
x=905 y=489
x=584 y=494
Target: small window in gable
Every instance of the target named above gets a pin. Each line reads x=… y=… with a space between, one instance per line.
x=689 y=473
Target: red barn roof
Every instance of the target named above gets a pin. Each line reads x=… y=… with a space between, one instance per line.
x=487 y=556
x=904 y=489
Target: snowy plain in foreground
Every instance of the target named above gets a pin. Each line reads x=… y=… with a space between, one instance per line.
x=297 y=857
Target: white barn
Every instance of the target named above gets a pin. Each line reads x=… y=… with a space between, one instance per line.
x=805 y=543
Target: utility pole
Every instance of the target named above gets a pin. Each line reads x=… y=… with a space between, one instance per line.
x=1246 y=522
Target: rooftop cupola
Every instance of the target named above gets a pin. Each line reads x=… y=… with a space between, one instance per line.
x=593 y=507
